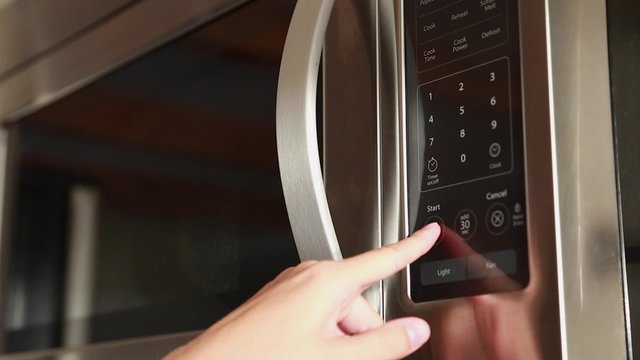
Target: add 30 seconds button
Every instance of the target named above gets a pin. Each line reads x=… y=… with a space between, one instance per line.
x=466 y=224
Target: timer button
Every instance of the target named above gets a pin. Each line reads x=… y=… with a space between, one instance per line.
x=432 y=165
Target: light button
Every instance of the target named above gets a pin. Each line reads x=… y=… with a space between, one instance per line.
x=443 y=271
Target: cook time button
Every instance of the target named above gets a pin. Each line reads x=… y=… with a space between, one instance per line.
x=443 y=271
x=430 y=55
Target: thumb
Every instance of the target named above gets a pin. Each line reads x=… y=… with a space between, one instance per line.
x=394 y=340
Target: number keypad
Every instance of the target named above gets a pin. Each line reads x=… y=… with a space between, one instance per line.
x=467 y=126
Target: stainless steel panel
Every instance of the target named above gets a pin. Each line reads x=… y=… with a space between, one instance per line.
x=28 y=28
x=81 y=264
x=151 y=348
x=624 y=57
x=7 y=185
x=108 y=46
x=592 y=273
x=520 y=325
x=298 y=153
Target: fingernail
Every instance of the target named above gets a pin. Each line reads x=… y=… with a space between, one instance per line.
x=432 y=226
x=418 y=332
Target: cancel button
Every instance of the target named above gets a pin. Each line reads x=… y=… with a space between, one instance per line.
x=443 y=271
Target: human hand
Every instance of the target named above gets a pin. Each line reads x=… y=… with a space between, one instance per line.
x=315 y=311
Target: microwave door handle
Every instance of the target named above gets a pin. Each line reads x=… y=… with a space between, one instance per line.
x=296 y=127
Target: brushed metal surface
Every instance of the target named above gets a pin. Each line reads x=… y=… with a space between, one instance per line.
x=624 y=61
x=148 y=348
x=351 y=146
x=144 y=26
x=587 y=218
x=519 y=325
x=351 y=128
x=80 y=279
x=296 y=128
x=28 y=28
x=8 y=184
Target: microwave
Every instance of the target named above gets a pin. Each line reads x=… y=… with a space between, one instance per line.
x=161 y=161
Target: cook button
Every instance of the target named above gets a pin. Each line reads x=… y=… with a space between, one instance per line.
x=443 y=271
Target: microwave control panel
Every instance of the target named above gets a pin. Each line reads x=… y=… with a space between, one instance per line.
x=465 y=146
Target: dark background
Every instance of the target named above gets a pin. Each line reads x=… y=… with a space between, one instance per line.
x=180 y=148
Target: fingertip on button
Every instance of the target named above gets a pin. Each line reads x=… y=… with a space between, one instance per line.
x=436 y=220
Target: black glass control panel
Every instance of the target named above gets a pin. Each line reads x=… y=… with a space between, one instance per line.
x=465 y=146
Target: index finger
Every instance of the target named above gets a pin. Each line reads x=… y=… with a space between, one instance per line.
x=378 y=264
